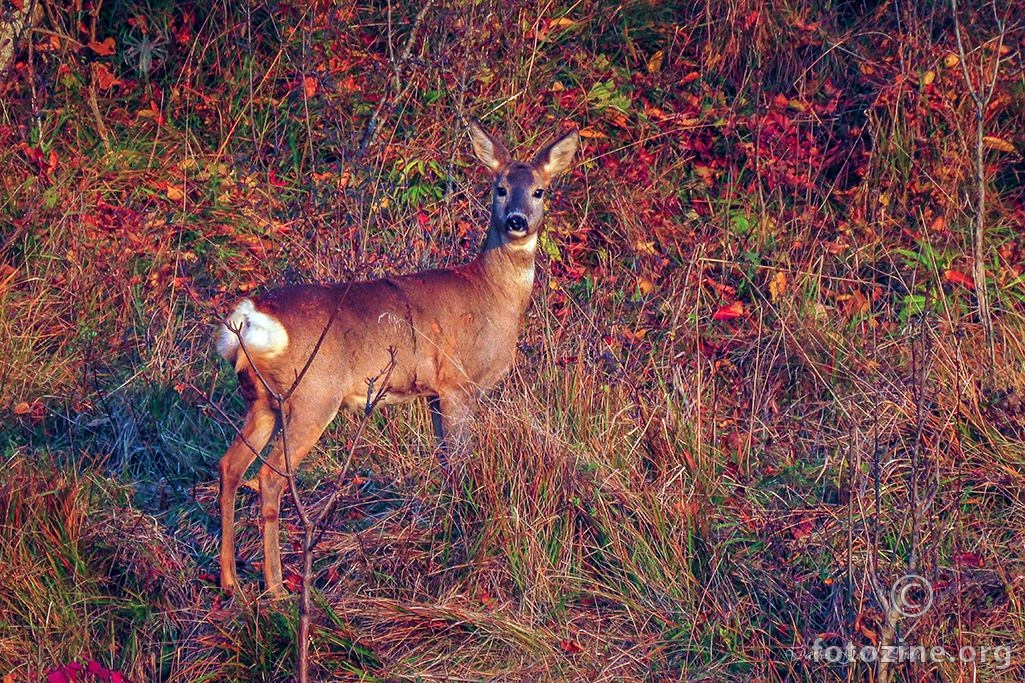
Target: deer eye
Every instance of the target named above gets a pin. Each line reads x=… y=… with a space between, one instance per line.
x=539 y=192
x=501 y=191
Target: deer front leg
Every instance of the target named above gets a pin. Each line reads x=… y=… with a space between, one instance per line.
x=452 y=414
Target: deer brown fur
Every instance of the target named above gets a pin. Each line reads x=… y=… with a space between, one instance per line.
x=446 y=334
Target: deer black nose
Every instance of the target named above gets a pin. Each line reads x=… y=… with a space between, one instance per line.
x=516 y=222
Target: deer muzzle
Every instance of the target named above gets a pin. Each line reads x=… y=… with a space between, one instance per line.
x=516 y=222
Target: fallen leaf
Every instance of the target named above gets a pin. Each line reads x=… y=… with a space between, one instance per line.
x=972 y=560
x=646 y=248
x=293 y=582
x=729 y=312
x=645 y=285
x=96 y=669
x=951 y=60
x=958 y=278
x=802 y=528
x=105 y=80
x=998 y=144
x=777 y=285
x=863 y=628
x=103 y=48
x=310 y=86
x=174 y=193
x=570 y=647
x=655 y=63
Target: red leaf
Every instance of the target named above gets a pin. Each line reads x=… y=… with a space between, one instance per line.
x=64 y=674
x=958 y=278
x=293 y=582
x=104 y=48
x=730 y=312
x=973 y=560
x=274 y=180
x=570 y=647
x=96 y=669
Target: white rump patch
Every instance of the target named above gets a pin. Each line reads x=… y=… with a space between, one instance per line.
x=262 y=334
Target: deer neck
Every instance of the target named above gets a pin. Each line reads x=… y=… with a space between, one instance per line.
x=509 y=264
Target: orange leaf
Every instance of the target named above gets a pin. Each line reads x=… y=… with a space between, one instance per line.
x=310 y=86
x=777 y=285
x=958 y=278
x=22 y=408
x=802 y=528
x=655 y=63
x=730 y=312
x=998 y=144
x=104 y=48
x=646 y=248
x=104 y=78
x=864 y=629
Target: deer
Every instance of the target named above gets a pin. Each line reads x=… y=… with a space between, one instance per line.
x=447 y=335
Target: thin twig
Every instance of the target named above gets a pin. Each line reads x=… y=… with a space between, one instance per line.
x=981 y=97
x=400 y=90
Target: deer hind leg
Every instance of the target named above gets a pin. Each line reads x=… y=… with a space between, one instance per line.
x=305 y=418
x=434 y=403
x=256 y=432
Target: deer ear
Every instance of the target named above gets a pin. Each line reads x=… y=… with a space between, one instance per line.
x=489 y=149
x=556 y=157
